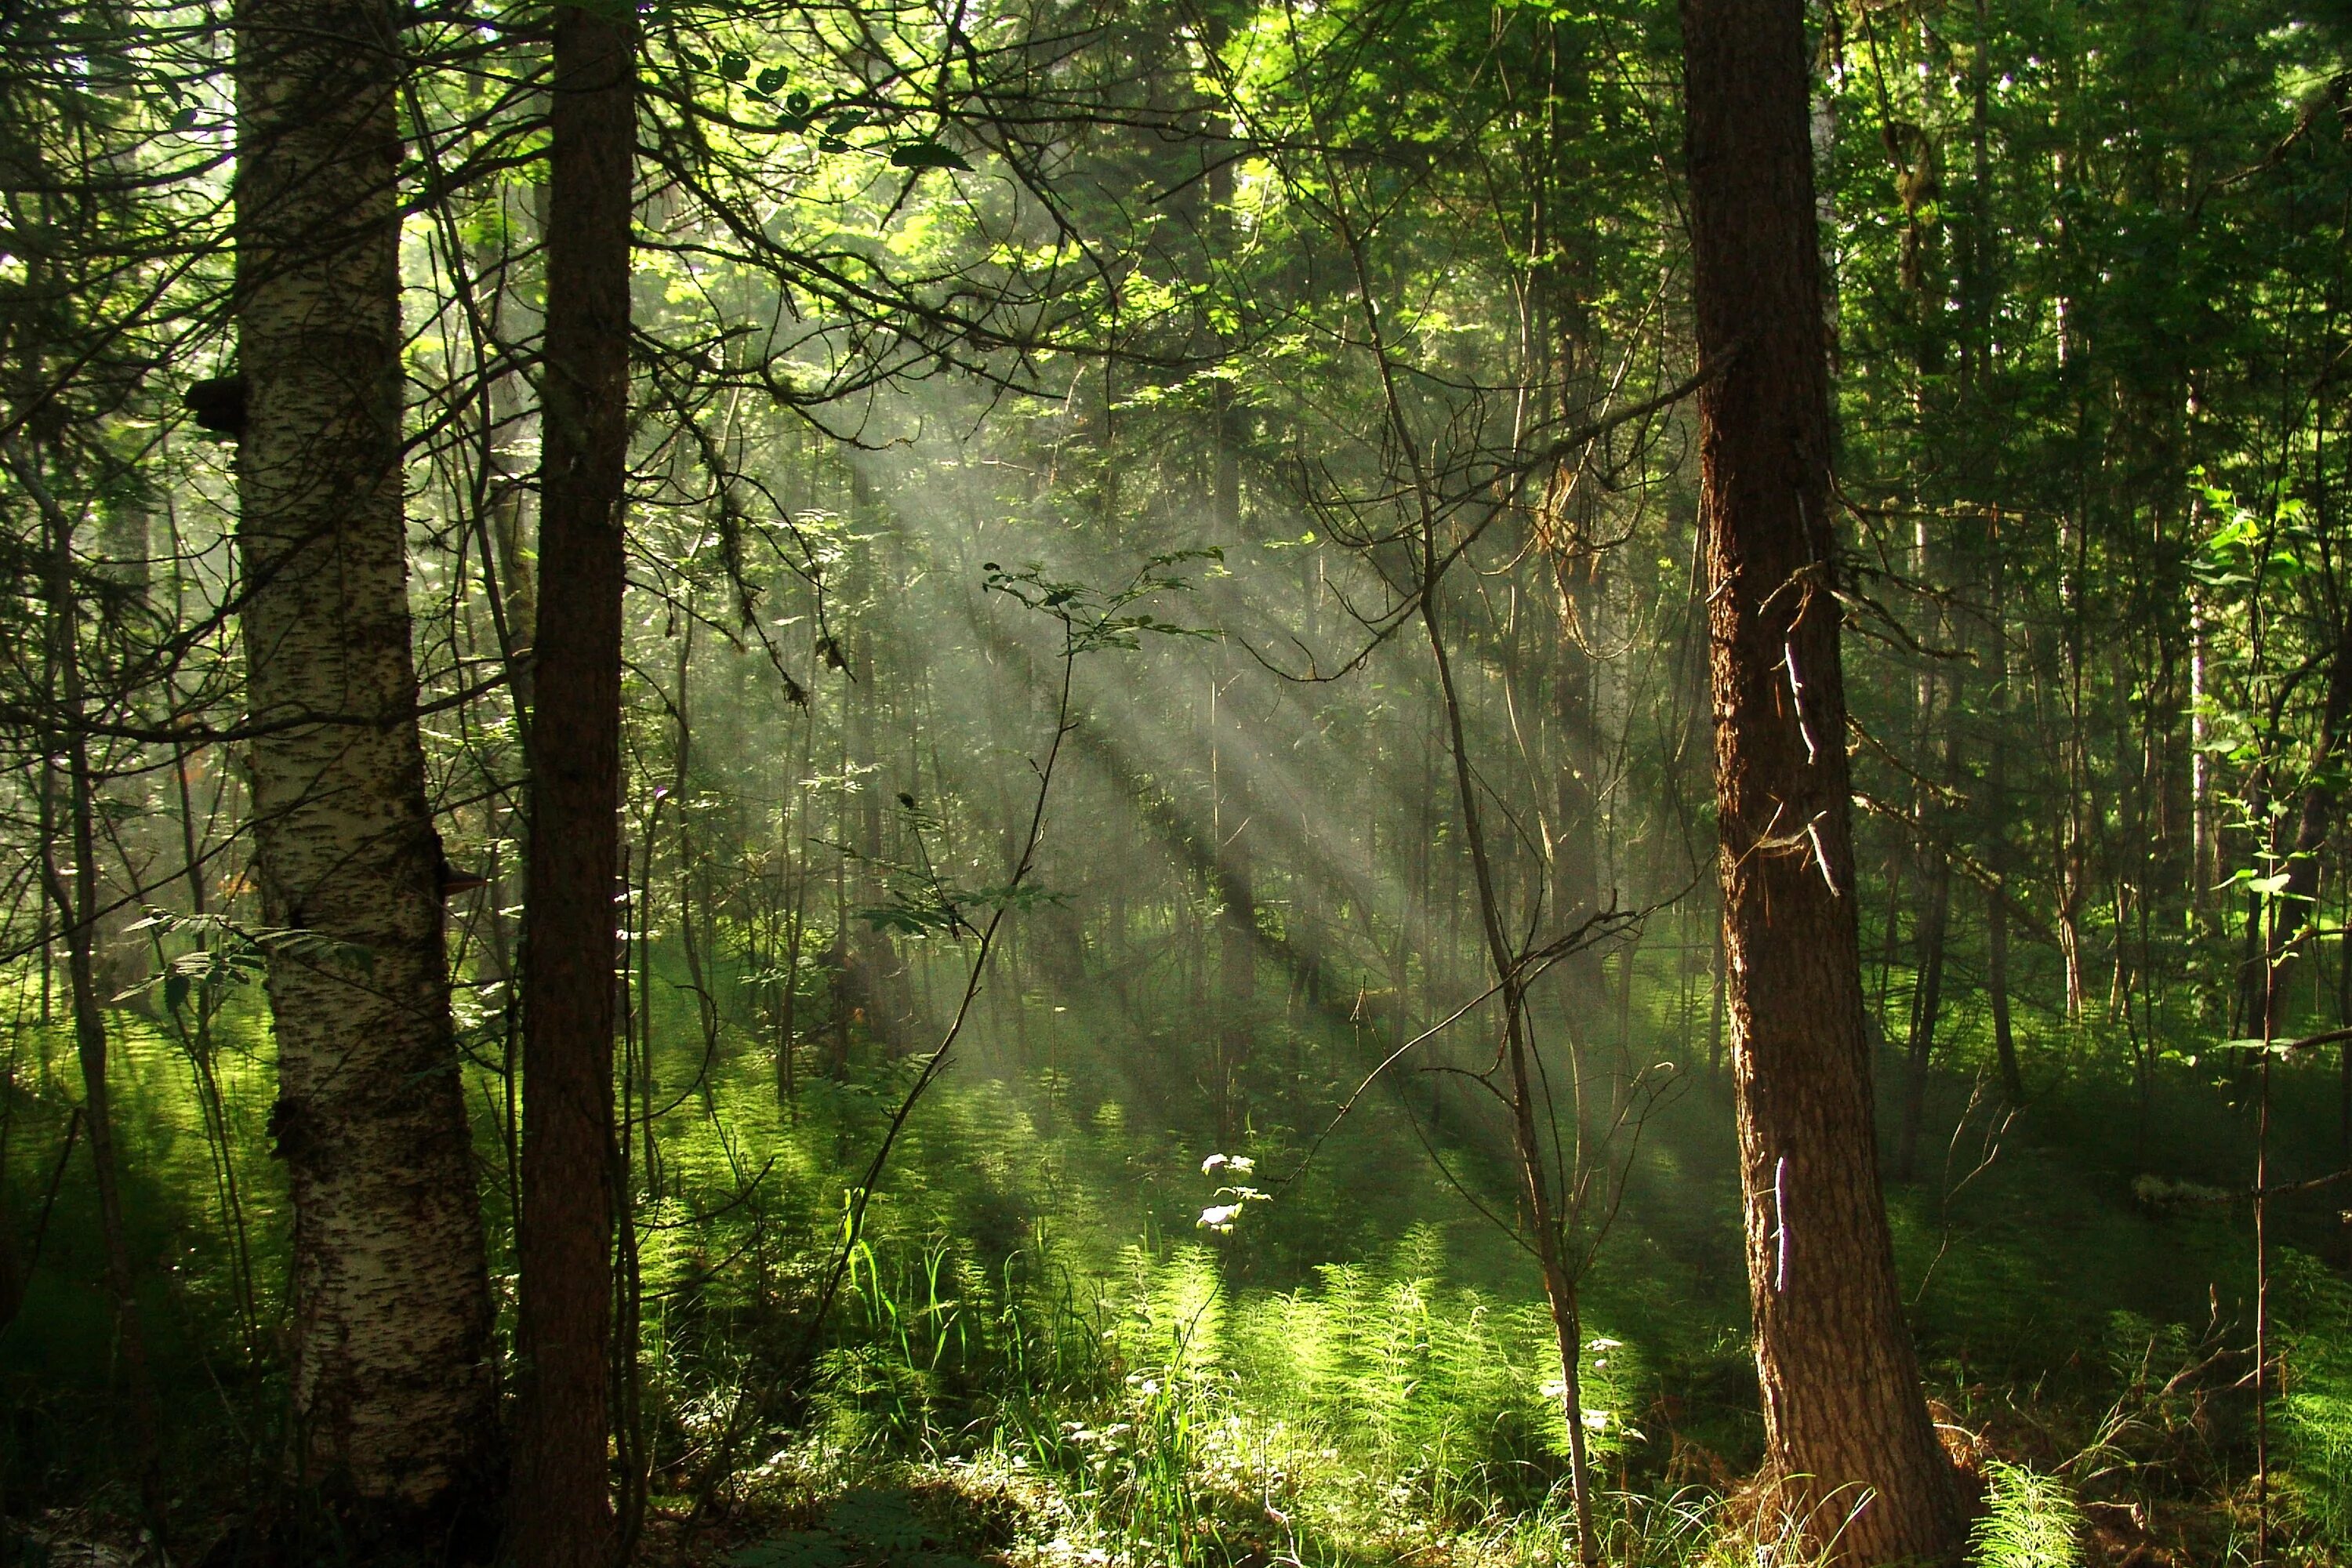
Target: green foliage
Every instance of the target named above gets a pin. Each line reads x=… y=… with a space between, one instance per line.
x=2314 y=1410
x=1377 y=1407
x=1441 y=1391
x=2087 y=278
x=2030 y=1520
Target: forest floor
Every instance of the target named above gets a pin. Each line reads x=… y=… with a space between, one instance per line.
x=1041 y=1361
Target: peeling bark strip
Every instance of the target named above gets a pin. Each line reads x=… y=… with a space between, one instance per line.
x=1846 y=1426
x=392 y=1388
x=563 y=1516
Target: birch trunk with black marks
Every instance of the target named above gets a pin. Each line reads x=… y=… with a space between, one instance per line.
x=393 y=1385
x=1847 y=1432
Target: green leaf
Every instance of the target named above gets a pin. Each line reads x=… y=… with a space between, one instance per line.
x=927 y=155
x=734 y=67
x=770 y=80
x=906 y=920
x=185 y=119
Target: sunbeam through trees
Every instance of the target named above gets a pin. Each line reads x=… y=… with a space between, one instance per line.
x=1225 y=784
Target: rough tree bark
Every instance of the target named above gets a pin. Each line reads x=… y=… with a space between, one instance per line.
x=563 y=1513
x=394 y=1389
x=1847 y=1430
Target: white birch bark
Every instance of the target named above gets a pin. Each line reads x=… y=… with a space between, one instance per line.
x=394 y=1395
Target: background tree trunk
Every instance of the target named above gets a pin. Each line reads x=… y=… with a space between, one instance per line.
x=2004 y=1038
x=394 y=1392
x=74 y=890
x=563 y=1516
x=1926 y=1007
x=1232 y=809
x=2270 y=944
x=1846 y=1428
x=1236 y=887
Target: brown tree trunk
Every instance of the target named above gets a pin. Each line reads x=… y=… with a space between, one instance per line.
x=1236 y=977
x=76 y=913
x=562 y=1515
x=1237 y=920
x=1846 y=1429
x=1575 y=873
x=2270 y=943
x=1926 y=1007
x=1237 y=929
x=2344 y=1054
x=394 y=1392
x=880 y=987
x=2004 y=1038
x=509 y=500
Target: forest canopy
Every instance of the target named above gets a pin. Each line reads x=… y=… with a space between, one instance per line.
x=1186 y=783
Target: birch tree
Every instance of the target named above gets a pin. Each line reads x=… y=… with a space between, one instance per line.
x=393 y=1383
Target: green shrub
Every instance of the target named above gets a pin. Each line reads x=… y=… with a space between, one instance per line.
x=2029 y=1521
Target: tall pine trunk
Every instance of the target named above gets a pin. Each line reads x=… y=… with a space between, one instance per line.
x=394 y=1394
x=563 y=1514
x=1847 y=1430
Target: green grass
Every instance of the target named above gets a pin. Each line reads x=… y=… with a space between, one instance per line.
x=1036 y=1332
